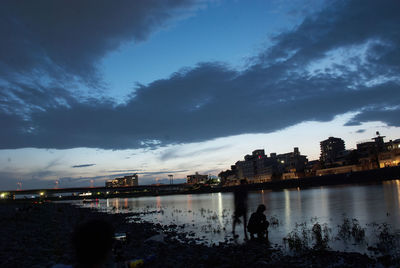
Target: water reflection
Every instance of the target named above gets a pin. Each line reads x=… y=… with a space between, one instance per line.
x=287 y=208
x=220 y=208
x=262 y=197
x=299 y=204
x=158 y=198
x=210 y=215
x=398 y=192
x=391 y=192
x=189 y=209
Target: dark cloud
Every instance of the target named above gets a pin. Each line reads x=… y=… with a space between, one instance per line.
x=70 y=37
x=360 y=131
x=341 y=24
x=389 y=116
x=211 y=100
x=50 y=50
x=83 y=166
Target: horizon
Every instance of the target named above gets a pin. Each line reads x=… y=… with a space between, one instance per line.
x=165 y=180
x=108 y=89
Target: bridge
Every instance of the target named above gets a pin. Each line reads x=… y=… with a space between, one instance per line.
x=93 y=191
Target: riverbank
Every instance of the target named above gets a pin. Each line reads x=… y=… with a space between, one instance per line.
x=360 y=177
x=37 y=235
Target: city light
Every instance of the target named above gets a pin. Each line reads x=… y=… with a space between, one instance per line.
x=2 y=195
x=85 y=194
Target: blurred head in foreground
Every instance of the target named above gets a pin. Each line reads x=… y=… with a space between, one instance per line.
x=261 y=208
x=92 y=242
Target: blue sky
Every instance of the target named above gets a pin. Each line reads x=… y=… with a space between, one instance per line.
x=227 y=31
x=96 y=89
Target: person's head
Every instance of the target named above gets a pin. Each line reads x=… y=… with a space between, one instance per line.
x=92 y=242
x=261 y=208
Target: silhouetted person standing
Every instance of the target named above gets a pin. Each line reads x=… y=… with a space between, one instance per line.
x=240 y=202
x=258 y=224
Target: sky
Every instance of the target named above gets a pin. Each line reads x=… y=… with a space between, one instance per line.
x=92 y=90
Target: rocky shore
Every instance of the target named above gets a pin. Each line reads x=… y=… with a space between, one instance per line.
x=38 y=235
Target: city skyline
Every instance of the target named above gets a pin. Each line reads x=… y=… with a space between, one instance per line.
x=162 y=176
x=108 y=89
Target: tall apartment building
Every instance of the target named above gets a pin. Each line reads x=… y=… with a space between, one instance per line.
x=331 y=149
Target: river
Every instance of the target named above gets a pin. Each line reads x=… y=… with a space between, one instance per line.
x=209 y=216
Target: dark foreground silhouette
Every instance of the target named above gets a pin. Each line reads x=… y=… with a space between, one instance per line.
x=258 y=224
x=38 y=237
x=93 y=241
x=240 y=204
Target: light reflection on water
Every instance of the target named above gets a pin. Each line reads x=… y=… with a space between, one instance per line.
x=210 y=215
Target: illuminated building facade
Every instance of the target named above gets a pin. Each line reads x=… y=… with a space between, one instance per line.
x=197 y=178
x=390 y=158
x=126 y=181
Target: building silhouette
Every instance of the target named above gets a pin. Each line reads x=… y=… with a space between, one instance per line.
x=259 y=168
x=334 y=159
x=331 y=150
x=378 y=154
x=371 y=154
x=293 y=164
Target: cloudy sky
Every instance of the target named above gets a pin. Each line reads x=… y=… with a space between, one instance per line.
x=90 y=90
